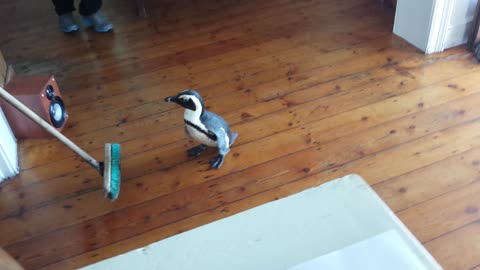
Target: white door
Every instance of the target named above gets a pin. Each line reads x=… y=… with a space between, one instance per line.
x=413 y=20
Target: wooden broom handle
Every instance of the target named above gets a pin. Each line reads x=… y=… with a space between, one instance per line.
x=37 y=119
x=7 y=262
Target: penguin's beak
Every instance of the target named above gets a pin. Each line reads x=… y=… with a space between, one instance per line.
x=171 y=99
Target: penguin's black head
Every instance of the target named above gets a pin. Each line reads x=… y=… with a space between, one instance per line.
x=189 y=99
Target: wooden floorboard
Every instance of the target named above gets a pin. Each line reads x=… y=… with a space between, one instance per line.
x=317 y=89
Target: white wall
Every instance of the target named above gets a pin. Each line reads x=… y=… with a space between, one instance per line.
x=460 y=23
x=412 y=21
x=8 y=150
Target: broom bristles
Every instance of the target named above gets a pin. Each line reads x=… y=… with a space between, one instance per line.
x=111 y=171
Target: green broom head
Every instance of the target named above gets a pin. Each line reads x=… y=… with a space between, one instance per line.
x=111 y=171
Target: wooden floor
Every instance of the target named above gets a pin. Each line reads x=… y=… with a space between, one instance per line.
x=317 y=89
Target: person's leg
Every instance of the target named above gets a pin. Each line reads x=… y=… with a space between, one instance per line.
x=89 y=7
x=63 y=6
x=90 y=10
x=64 y=9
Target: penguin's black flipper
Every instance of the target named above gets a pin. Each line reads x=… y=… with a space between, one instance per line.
x=217 y=162
x=197 y=150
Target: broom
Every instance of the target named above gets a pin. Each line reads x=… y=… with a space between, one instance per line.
x=109 y=169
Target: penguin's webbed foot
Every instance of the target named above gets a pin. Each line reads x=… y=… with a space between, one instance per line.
x=217 y=162
x=197 y=150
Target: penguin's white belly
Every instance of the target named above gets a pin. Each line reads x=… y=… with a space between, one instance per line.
x=199 y=136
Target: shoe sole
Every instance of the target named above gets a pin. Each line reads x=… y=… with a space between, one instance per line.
x=70 y=29
x=88 y=23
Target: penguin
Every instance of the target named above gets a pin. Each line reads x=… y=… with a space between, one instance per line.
x=207 y=128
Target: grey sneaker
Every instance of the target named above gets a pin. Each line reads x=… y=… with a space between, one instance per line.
x=99 y=22
x=67 y=23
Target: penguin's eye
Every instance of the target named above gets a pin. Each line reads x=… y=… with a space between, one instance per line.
x=184 y=98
